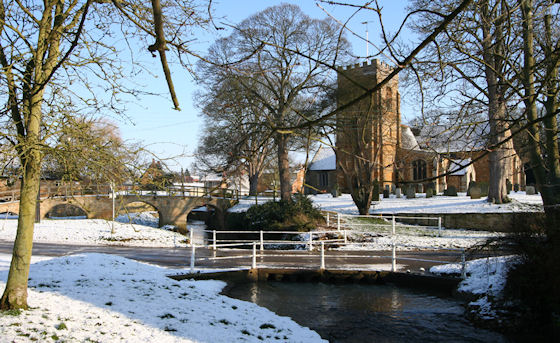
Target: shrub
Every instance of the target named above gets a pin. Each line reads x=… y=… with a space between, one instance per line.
x=534 y=283
x=296 y=215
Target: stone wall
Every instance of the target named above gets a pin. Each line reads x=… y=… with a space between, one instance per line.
x=497 y=222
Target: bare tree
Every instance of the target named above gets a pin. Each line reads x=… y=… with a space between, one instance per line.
x=541 y=86
x=232 y=140
x=268 y=48
x=91 y=151
x=476 y=49
x=55 y=54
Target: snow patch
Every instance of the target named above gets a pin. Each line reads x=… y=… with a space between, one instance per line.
x=106 y=298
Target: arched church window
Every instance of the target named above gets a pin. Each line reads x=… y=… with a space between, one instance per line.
x=418 y=170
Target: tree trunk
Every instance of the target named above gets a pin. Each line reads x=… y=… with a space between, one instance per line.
x=253 y=184
x=284 y=167
x=15 y=294
x=362 y=196
x=499 y=159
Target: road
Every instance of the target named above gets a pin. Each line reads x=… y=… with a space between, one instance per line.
x=180 y=257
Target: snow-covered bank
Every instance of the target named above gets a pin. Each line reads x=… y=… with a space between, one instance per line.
x=486 y=279
x=438 y=204
x=105 y=298
x=95 y=232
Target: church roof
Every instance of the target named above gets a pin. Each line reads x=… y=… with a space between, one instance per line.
x=408 y=141
x=444 y=139
x=324 y=159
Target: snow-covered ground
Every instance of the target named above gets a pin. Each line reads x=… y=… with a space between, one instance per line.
x=141 y=218
x=105 y=298
x=451 y=239
x=438 y=204
x=95 y=232
x=486 y=279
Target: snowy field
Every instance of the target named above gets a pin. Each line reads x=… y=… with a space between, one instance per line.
x=96 y=232
x=105 y=298
x=438 y=204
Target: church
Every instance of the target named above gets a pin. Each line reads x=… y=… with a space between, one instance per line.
x=370 y=129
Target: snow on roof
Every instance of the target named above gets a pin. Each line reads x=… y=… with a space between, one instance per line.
x=456 y=165
x=442 y=138
x=408 y=141
x=324 y=159
x=211 y=178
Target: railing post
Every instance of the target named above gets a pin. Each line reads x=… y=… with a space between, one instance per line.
x=262 y=240
x=338 y=221
x=345 y=237
x=394 y=259
x=193 y=252
x=463 y=265
x=328 y=221
x=191 y=234
x=310 y=241
x=254 y=262
x=322 y=255
x=214 y=240
x=393 y=224
x=439 y=226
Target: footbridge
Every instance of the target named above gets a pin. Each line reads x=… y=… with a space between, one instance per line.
x=172 y=204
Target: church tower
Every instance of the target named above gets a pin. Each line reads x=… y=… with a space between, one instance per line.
x=367 y=130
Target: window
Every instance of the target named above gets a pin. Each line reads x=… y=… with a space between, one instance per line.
x=418 y=170
x=323 y=179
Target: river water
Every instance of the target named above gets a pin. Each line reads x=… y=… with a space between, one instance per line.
x=367 y=313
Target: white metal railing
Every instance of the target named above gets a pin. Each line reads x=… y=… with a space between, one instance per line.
x=323 y=256
x=310 y=242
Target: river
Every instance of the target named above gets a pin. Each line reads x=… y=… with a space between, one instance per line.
x=367 y=313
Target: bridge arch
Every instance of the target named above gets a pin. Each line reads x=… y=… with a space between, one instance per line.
x=126 y=205
x=64 y=210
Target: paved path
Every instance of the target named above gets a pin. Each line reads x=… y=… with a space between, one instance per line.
x=180 y=257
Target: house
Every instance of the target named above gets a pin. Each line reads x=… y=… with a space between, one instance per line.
x=321 y=172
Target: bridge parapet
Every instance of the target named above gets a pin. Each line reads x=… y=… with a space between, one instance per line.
x=173 y=205
x=69 y=190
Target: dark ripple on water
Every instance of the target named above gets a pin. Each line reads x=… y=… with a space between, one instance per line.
x=367 y=313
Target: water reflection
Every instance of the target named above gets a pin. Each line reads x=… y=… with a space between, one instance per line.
x=367 y=313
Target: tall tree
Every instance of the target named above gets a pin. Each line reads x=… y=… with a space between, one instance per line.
x=541 y=86
x=91 y=151
x=267 y=51
x=232 y=140
x=475 y=50
x=56 y=54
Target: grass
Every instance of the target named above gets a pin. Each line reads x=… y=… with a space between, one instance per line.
x=15 y=312
x=372 y=221
x=384 y=226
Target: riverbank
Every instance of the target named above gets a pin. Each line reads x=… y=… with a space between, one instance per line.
x=106 y=298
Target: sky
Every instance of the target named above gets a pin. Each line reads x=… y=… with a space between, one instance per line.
x=169 y=133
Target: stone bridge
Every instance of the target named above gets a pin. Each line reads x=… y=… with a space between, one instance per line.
x=172 y=209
